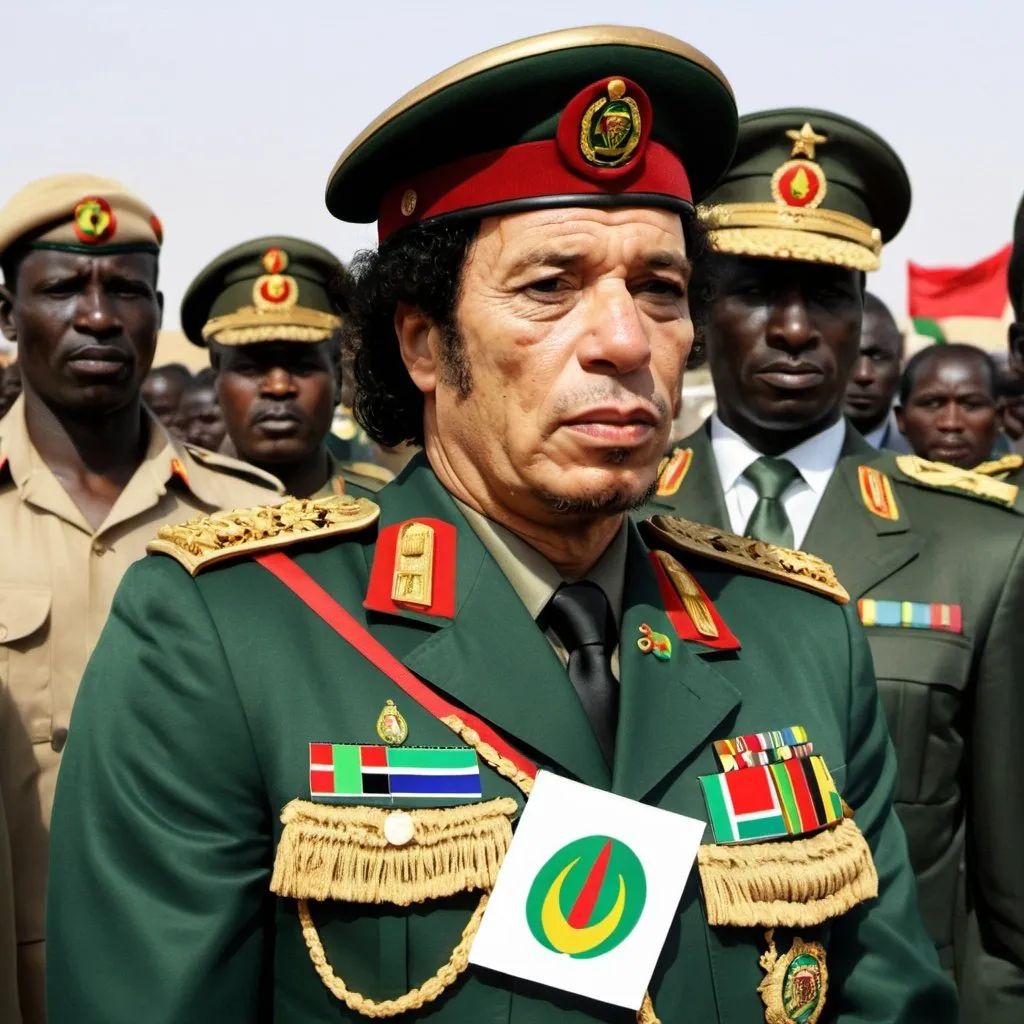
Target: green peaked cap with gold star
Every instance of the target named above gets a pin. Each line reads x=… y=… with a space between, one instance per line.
x=809 y=185
x=274 y=288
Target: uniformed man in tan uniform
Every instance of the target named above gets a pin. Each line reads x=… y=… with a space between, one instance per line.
x=87 y=475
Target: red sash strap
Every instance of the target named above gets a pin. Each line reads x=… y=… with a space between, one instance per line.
x=300 y=583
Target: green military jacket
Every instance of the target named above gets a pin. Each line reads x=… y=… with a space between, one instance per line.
x=954 y=700
x=192 y=732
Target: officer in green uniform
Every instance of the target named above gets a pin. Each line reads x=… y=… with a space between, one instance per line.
x=234 y=839
x=264 y=308
x=930 y=553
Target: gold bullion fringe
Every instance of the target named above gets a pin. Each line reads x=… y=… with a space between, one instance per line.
x=791 y=244
x=330 y=852
x=414 y=999
x=795 y=884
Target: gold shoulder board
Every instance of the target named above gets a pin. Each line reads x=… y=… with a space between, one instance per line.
x=1007 y=464
x=748 y=555
x=943 y=477
x=204 y=540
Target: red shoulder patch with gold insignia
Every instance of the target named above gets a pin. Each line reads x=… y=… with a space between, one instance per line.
x=178 y=469
x=672 y=471
x=876 y=491
x=715 y=634
x=414 y=569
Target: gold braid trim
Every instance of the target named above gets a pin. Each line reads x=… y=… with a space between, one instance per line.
x=343 y=852
x=274 y=320
x=253 y=335
x=797 y=884
x=793 y=244
x=944 y=477
x=831 y=223
x=502 y=765
x=416 y=998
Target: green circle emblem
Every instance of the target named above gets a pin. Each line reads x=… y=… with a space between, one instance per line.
x=587 y=898
x=801 y=988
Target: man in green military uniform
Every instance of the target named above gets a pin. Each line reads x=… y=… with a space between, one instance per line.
x=932 y=554
x=264 y=309
x=525 y=320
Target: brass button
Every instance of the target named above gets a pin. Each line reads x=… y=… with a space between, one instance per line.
x=58 y=738
x=409 y=199
x=98 y=547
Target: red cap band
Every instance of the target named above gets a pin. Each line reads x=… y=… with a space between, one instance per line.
x=602 y=147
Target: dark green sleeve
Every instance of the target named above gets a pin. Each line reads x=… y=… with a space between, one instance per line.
x=161 y=832
x=882 y=964
x=992 y=972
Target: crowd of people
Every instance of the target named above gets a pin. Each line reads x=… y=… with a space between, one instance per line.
x=798 y=624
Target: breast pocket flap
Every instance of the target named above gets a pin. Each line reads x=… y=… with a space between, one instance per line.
x=23 y=610
x=930 y=657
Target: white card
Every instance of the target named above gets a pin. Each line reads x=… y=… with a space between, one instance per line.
x=587 y=892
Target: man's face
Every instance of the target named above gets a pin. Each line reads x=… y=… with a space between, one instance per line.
x=163 y=396
x=575 y=327
x=85 y=326
x=199 y=418
x=782 y=338
x=277 y=398
x=876 y=373
x=950 y=415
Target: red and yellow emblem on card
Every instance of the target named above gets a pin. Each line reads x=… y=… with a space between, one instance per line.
x=672 y=471
x=876 y=492
x=94 y=221
x=800 y=182
x=275 y=289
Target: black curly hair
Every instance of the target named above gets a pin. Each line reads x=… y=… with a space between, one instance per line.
x=422 y=265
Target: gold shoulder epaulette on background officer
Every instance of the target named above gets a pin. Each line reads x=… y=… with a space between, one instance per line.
x=998 y=467
x=943 y=477
x=205 y=540
x=748 y=555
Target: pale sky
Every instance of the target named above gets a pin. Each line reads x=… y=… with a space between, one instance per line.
x=227 y=115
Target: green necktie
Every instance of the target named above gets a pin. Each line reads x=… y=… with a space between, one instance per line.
x=768 y=521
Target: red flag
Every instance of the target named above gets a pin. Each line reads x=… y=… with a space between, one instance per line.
x=978 y=290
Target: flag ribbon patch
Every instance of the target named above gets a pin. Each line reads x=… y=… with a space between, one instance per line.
x=911 y=614
x=771 y=786
x=345 y=770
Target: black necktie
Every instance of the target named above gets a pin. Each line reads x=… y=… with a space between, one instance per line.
x=581 y=618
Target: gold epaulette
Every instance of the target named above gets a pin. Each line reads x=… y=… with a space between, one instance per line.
x=748 y=555
x=204 y=540
x=1007 y=464
x=943 y=477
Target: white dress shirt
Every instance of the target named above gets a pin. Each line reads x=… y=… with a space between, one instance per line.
x=815 y=459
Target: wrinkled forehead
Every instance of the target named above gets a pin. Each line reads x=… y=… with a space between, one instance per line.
x=583 y=235
x=37 y=264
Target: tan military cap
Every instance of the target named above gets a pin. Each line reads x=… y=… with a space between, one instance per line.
x=79 y=213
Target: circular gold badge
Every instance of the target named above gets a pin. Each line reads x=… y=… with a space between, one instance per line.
x=610 y=129
x=408 y=202
x=796 y=983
